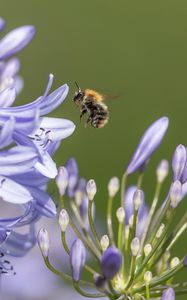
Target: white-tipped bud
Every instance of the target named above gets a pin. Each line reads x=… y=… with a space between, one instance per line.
x=104 y=242
x=62 y=180
x=91 y=189
x=131 y=221
x=120 y=214
x=160 y=231
x=148 y=277
x=174 y=262
x=113 y=186
x=78 y=197
x=175 y=193
x=138 y=199
x=162 y=170
x=127 y=232
x=63 y=220
x=147 y=249
x=43 y=241
x=135 y=246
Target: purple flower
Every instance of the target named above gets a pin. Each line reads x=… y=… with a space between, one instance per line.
x=168 y=294
x=111 y=261
x=77 y=259
x=149 y=142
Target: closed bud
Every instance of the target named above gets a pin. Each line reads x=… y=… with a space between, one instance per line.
x=63 y=220
x=43 y=241
x=77 y=259
x=178 y=162
x=168 y=294
x=91 y=189
x=120 y=214
x=147 y=249
x=138 y=199
x=135 y=246
x=111 y=262
x=174 y=262
x=113 y=186
x=175 y=193
x=100 y=282
x=62 y=180
x=104 y=242
x=160 y=231
x=78 y=197
x=148 y=277
x=162 y=170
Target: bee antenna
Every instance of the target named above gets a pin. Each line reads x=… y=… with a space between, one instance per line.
x=77 y=85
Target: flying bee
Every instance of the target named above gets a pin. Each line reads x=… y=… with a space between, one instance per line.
x=91 y=102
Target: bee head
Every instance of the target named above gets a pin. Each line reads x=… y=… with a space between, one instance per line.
x=78 y=96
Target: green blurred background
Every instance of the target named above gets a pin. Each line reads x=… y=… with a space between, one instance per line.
x=137 y=49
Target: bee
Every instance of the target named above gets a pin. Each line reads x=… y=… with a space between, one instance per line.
x=91 y=102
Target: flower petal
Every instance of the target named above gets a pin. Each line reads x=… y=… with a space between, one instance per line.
x=7 y=97
x=168 y=294
x=13 y=192
x=11 y=68
x=6 y=133
x=2 y=24
x=43 y=202
x=17 y=160
x=149 y=142
x=59 y=128
x=18 y=244
x=15 y=41
x=47 y=167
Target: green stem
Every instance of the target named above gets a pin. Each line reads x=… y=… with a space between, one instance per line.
x=131 y=274
x=109 y=220
x=92 y=225
x=147 y=292
x=123 y=185
x=85 y=294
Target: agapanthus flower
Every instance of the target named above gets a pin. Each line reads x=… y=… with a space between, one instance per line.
x=31 y=139
x=136 y=260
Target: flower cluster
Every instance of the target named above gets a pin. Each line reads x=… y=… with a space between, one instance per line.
x=28 y=139
x=137 y=261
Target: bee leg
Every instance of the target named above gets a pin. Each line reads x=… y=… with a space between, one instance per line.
x=82 y=113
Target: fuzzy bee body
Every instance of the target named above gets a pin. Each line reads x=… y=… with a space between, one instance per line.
x=91 y=102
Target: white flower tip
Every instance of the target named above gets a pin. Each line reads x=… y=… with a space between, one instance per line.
x=113 y=186
x=148 y=277
x=135 y=246
x=62 y=180
x=91 y=189
x=104 y=242
x=120 y=214
x=63 y=220
x=43 y=241
x=162 y=170
x=138 y=199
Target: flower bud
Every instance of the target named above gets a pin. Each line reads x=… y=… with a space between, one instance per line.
x=113 y=186
x=174 y=262
x=138 y=199
x=100 y=282
x=63 y=220
x=175 y=193
x=120 y=214
x=149 y=142
x=91 y=189
x=104 y=242
x=178 y=162
x=160 y=231
x=135 y=246
x=77 y=259
x=168 y=294
x=148 y=277
x=43 y=241
x=111 y=262
x=72 y=169
x=162 y=170
x=62 y=180
x=147 y=249
x=131 y=221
